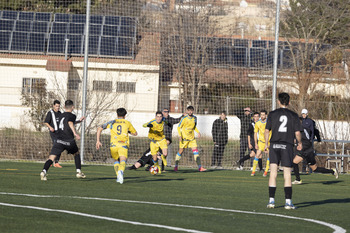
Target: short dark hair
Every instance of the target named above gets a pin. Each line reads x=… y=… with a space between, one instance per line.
x=190 y=108
x=284 y=98
x=166 y=109
x=121 y=112
x=68 y=103
x=256 y=113
x=263 y=111
x=159 y=112
x=223 y=112
x=56 y=102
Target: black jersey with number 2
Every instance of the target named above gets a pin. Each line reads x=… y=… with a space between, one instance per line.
x=283 y=123
x=65 y=133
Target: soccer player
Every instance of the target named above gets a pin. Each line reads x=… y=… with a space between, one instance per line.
x=186 y=128
x=245 y=118
x=146 y=158
x=251 y=143
x=259 y=139
x=308 y=154
x=219 y=132
x=119 y=143
x=65 y=141
x=157 y=137
x=51 y=121
x=285 y=127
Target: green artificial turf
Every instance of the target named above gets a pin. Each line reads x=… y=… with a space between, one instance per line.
x=212 y=201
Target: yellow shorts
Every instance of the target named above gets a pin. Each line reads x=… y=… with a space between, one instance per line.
x=155 y=145
x=119 y=150
x=186 y=143
x=261 y=145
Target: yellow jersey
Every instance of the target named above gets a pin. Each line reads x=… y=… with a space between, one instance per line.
x=187 y=126
x=120 y=129
x=156 y=132
x=260 y=129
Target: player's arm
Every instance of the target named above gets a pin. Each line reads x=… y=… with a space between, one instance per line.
x=48 y=119
x=80 y=120
x=132 y=130
x=198 y=133
x=298 y=137
x=214 y=132
x=256 y=131
x=98 y=135
x=71 y=126
x=148 y=124
x=266 y=135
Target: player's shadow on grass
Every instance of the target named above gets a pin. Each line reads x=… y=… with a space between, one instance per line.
x=328 y=201
x=190 y=171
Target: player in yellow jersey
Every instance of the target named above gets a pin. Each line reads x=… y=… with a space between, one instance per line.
x=157 y=137
x=186 y=128
x=259 y=139
x=119 y=144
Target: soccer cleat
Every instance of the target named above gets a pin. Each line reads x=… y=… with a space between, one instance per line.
x=265 y=174
x=120 y=177
x=271 y=205
x=80 y=175
x=336 y=173
x=159 y=170
x=176 y=169
x=202 y=169
x=57 y=165
x=297 y=182
x=43 y=176
x=289 y=206
x=253 y=174
x=164 y=160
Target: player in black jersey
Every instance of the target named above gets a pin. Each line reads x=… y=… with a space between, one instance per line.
x=65 y=141
x=146 y=158
x=285 y=127
x=251 y=143
x=308 y=154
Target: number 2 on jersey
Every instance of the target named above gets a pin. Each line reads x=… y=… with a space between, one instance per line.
x=283 y=127
x=119 y=129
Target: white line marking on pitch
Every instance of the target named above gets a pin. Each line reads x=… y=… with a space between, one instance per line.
x=103 y=218
x=337 y=229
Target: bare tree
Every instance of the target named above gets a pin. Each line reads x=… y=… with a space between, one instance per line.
x=316 y=34
x=187 y=47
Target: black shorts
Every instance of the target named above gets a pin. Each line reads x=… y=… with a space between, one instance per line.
x=308 y=155
x=146 y=159
x=59 y=146
x=281 y=153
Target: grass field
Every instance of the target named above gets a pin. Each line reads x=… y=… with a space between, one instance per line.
x=186 y=201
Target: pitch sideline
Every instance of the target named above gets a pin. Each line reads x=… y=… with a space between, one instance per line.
x=337 y=229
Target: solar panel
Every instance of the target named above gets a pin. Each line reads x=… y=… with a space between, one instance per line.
x=96 y=19
x=59 y=28
x=56 y=43
x=95 y=29
x=76 y=28
x=259 y=43
x=128 y=21
x=36 y=42
x=239 y=56
x=78 y=18
x=39 y=26
x=10 y=14
x=272 y=44
x=112 y=20
x=241 y=43
x=6 y=25
x=26 y=15
x=5 y=37
x=94 y=42
x=64 y=18
x=23 y=26
x=75 y=44
x=110 y=30
x=19 y=41
x=108 y=45
x=222 y=56
x=127 y=31
x=125 y=47
x=42 y=16
x=287 y=59
x=257 y=57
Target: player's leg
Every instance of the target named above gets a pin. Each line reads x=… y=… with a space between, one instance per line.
x=73 y=149
x=115 y=156
x=46 y=167
x=154 y=151
x=142 y=161
x=274 y=161
x=123 y=155
x=267 y=164
x=214 y=157
x=193 y=144
x=220 y=155
x=182 y=146
x=312 y=163
x=287 y=164
x=297 y=159
x=163 y=152
x=256 y=161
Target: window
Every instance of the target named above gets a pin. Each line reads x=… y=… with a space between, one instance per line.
x=33 y=86
x=102 y=86
x=126 y=87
